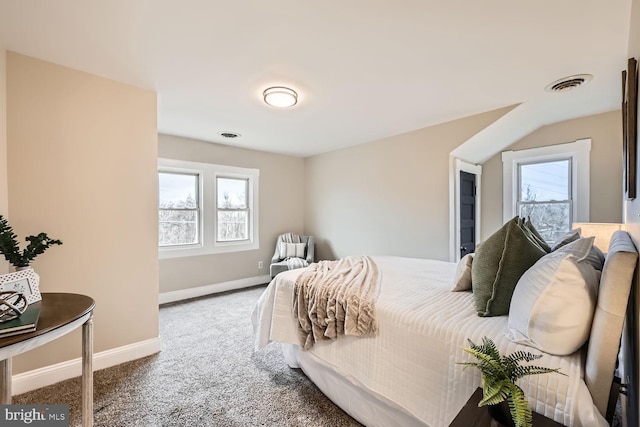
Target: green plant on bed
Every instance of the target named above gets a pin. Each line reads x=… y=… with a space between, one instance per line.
x=499 y=376
x=10 y=248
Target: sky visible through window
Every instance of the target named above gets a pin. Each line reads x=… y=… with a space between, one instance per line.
x=178 y=215
x=232 y=193
x=545 y=197
x=545 y=181
x=176 y=189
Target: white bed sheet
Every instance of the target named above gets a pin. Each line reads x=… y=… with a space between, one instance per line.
x=411 y=363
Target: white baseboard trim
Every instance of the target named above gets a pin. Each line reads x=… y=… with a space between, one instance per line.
x=199 y=291
x=31 y=380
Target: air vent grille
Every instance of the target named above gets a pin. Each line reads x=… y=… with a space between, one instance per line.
x=229 y=135
x=568 y=83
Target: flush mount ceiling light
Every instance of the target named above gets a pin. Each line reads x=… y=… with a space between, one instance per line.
x=281 y=97
x=568 y=83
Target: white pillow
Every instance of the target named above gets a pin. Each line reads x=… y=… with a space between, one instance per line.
x=462 y=279
x=595 y=258
x=553 y=304
x=297 y=250
x=580 y=248
x=593 y=255
x=291 y=250
x=569 y=237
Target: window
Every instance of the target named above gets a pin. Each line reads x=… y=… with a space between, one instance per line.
x=545 y=196
x=548 y=184
x=206 y=208
x=233 y=209
x=179 y=209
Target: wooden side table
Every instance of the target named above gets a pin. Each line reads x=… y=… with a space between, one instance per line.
x=60 y=313
x=473 y=416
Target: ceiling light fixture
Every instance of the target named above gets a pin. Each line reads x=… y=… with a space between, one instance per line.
x=281 y=97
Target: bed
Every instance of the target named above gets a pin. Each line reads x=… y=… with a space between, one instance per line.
x=407 y=374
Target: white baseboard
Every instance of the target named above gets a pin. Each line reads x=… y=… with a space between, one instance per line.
x=199 y=291
x=31 y=380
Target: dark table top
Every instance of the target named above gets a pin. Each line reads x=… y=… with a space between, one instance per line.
x=57 y=310
x=473 y=416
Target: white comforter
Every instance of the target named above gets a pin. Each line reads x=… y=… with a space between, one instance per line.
x=412 y=361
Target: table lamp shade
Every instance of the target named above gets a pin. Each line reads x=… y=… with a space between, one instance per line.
x=600 y=230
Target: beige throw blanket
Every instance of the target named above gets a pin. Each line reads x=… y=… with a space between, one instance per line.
x=334 y=298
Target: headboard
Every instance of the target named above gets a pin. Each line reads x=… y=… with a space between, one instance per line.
x=606 y=329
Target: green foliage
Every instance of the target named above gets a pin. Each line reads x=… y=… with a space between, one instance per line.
x=10 y=248
x=499 y=376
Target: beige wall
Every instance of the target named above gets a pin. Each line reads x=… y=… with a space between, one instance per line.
x=605 y=131
x=280 y=207
x=4 y=187
x=387 y=197
x=82 y=156
x=632 y=208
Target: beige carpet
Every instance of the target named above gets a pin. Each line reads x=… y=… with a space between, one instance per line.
x=205 y=375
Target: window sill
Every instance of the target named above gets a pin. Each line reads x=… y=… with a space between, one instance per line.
x=183 y=252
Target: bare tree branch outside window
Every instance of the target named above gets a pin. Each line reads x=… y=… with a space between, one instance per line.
x=179 y=211
x=545 y=197
x=232 y=209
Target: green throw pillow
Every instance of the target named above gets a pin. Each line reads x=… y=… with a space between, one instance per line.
x=499 y=263
x=537 y=237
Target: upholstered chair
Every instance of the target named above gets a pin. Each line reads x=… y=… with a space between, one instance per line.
x=292 y=251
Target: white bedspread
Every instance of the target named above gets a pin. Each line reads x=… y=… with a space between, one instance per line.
x=412 y=360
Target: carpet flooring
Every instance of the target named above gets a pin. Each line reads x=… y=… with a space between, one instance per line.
x=206 y=375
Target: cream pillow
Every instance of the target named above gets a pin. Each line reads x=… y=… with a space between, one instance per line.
x=291 y=250
x=462 y=279
x=553 y=304
x=297 y=250
x=569 y=237
x=582 y=248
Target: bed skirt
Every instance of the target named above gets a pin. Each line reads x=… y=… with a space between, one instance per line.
x=355 y=400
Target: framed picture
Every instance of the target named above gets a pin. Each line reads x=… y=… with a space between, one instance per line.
x=24 y=281
x=630 y=127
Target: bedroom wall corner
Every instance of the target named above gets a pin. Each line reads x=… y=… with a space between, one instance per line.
x=82 y=156
x=387 y=197
x=280 y=210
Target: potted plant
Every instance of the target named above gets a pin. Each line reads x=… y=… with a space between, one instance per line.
x=10 y=248
x=506 y=400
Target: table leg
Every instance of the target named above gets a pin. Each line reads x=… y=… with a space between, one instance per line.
x=87 y=373
x=5 y=380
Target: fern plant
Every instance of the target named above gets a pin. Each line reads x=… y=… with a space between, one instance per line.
x=10 y=248
x=499 y=376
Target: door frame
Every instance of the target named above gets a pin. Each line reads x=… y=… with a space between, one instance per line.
x=457 y=166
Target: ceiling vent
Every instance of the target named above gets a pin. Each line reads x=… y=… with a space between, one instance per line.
x=567 y=83
x=229 y=135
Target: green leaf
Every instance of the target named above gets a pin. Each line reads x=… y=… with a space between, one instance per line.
x=499 y=374
x=10 y=248
x=495 y=393
x=519 y=407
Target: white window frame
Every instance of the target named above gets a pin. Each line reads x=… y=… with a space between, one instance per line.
x=208 y=239
x=250 y=185
x=199 y=174
x=578 y=152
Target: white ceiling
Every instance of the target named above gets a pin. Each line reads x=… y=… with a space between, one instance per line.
x=364 y=69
